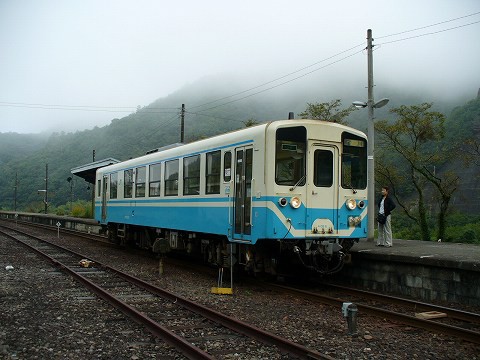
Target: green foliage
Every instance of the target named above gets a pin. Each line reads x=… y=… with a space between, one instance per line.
x=405 y=227
x=463 y=120
x=469 y=233
x=464 y=128
x=327 y=111
x=470 y=236
x=82 y=210
x=79 y=208
x=461 y=228
x=250 y=122
x=416 y=136
x=15 y=146
x=61 y=210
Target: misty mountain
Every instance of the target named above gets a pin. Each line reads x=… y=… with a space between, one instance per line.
x=16 y=146
x=158 y=124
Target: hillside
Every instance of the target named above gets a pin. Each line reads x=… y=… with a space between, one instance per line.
x=151 y=127
x=16 y=146
x=464 y=124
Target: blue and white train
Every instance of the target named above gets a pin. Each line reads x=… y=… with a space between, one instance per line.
x=281 y=193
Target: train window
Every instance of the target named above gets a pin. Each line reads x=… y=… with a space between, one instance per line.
x=154 y=180
x=171 y=178
x=290 y=156
x=354 y=162
x=227 y=166
x=213 y=173
x=128 y=183
x=140 y=180
x=323 y=168
x=99 y=187
x=113 y=185
x=191 y=175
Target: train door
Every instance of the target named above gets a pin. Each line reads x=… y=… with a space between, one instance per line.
x=104 y=197
x=242 y=207
x=322 y=207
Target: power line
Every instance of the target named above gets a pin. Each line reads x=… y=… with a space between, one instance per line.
x=82 y=107
x=283 y=83
x=212 y=116
x=430 y=33
x=427 y=26
x=388 y=42
x=59 y=107
x=153 y=110
x=317 y=69
x=277 y=79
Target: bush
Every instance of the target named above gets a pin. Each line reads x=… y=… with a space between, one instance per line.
x=461 y=228
x=470 y=236
x=468 y=233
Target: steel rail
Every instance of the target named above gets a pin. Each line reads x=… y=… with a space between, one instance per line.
x=464 y=334
x=189 y=350
x=215 y=316
x=451 y=313
x=231 y=323
x=83 y=234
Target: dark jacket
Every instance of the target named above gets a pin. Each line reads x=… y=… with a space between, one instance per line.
x=388 y=205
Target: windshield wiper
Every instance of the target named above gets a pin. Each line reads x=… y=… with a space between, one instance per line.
x=298 y=182
x=351 y=187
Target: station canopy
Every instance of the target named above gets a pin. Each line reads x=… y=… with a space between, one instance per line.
x=87 y=171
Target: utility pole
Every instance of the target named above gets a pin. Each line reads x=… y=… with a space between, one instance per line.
x=371 y=142
x=70 y=181
x=182 y=124
x=93 y=188
x=15 y=192
x=46 y=189
x=371 y=105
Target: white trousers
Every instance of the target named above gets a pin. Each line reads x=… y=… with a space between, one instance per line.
x=385 y=232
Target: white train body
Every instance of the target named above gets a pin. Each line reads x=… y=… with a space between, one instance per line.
x=290 y=185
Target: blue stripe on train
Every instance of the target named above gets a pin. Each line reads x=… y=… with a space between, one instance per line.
x=216 y=215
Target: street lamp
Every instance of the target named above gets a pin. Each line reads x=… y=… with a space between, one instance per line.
x=371 y=164
x=45 y=198
x=371 y=105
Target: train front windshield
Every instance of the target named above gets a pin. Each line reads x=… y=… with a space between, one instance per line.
x=354 y=162
x=290 y=156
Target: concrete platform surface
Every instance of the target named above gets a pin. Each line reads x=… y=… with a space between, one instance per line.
x=454 y=255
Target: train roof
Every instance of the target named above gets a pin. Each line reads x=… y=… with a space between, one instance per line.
x=226 y=138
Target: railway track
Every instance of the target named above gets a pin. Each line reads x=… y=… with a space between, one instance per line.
x=195 y=330
x=458 y=323
x=61 y=230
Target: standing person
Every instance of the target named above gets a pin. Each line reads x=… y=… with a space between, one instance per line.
x=385 y=207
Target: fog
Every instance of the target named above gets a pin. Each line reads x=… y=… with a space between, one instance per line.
x=72 y=65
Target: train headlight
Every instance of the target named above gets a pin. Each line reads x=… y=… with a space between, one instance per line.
x=295 y=202
x=351 y=204
x=282 y=202
x=361 y=204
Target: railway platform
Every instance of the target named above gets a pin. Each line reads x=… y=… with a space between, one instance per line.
x=442 y=254
x=430 y=271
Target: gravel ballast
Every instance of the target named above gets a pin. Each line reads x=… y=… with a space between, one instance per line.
x=46 y=315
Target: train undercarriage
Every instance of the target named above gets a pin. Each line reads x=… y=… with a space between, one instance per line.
x=273 y=257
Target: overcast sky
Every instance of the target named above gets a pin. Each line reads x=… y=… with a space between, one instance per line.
x=118 y=54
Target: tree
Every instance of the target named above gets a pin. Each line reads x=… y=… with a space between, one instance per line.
x=327 y=111
x=472 y=151
x=250 y=122
x=415 y=136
